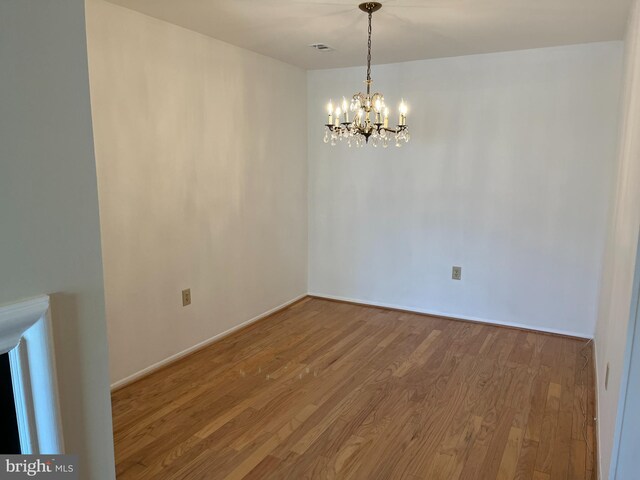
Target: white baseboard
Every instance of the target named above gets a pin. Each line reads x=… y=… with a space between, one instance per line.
x=146 y=371
x=451 y=315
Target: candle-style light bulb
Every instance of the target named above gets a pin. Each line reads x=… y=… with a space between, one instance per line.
x=403 y=112
x=345 y=110
x=377 y=106
x=338 y=112
x=330 y=112
x=403 y=107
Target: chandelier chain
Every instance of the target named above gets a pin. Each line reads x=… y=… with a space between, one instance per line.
x=369 y=56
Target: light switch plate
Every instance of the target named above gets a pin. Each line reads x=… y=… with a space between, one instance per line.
x=186 y=297
x=456 y=273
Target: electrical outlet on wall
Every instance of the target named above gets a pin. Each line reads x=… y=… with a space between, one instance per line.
x=186 y=297
x=456 y=273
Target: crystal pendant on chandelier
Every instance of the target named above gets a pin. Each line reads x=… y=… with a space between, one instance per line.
x=366 y=116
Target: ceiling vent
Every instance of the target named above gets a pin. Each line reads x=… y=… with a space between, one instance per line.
x=322 y=47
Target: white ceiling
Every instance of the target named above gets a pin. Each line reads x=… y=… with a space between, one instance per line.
x=403 y=30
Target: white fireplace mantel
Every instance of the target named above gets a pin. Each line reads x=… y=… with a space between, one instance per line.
x=25 y=333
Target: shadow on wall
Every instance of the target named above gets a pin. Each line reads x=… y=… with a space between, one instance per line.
x=66 y=327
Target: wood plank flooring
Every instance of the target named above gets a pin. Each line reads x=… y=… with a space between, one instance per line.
x=329 y=390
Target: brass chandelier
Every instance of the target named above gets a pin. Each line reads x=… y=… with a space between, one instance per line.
x=366 y=116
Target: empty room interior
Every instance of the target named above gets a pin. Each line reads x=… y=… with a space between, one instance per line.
x=320 y=239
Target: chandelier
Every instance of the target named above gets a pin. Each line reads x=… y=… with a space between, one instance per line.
x=366 y=116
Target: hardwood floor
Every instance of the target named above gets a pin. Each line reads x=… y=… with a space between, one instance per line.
x=325 y=390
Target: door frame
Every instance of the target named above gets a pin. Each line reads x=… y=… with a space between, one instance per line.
x=630 y=350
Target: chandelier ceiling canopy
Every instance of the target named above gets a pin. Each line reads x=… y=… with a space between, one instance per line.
x=366 y=116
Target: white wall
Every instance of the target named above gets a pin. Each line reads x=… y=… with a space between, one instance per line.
x=200 y=185
x=617 y=279
x=49 y=225
x=508 y=174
